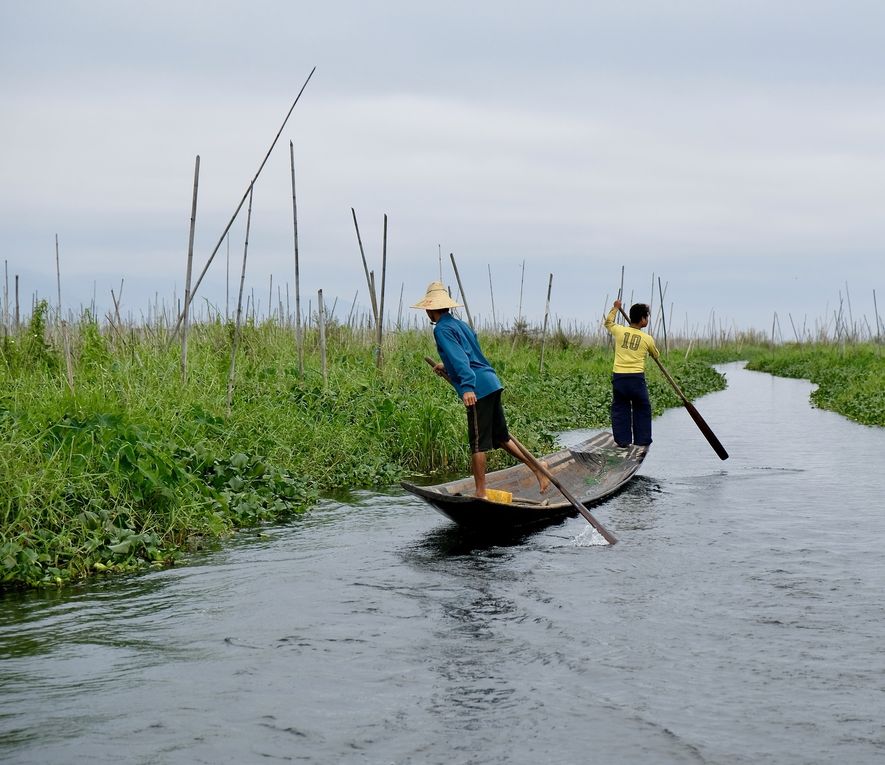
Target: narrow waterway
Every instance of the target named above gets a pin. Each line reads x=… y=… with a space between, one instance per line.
x=741 y=619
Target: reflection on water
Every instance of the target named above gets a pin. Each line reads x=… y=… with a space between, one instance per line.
x=739 y=620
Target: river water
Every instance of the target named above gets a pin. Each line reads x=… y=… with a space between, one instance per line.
x=741 y=619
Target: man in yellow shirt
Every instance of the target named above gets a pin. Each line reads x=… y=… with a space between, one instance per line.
x=631 y=408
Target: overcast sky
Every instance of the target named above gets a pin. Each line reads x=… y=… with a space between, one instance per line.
x=735 y=150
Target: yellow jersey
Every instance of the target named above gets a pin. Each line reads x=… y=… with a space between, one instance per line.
x=631 y=346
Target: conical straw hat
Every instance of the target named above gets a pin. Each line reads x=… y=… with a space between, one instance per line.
x=437 y=297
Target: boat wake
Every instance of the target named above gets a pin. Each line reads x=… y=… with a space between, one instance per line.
x=589 y=537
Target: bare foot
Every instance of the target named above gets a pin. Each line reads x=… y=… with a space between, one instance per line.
x=543 y=480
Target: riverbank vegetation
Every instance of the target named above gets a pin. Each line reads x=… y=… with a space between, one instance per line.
x=850 y=377
x=111 y=461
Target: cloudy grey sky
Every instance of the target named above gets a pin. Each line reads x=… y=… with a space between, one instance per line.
x=735 y=150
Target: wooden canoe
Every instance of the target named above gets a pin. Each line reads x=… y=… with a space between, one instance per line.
x=592 y=470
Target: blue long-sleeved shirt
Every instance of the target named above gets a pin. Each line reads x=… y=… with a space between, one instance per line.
x=465 y=364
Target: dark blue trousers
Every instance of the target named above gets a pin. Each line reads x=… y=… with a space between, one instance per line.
x=631 y=409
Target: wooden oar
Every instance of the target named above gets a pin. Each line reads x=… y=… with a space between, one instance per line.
x=531 y=460
x=695 y=414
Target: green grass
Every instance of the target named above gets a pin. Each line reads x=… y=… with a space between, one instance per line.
x=135 y=468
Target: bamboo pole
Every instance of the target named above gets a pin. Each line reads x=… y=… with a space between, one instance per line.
x=352 y=307
x=518 y=326
x=187 y=279
x=321 y=320
x=878 y=323
x=17 y=314
x=379 y=359
x=651 y=302
x=58 y=278
x=227 y=283
x=461 y=290
x=6 y=313
x=299 y=332
x=544 y=331
x=69 y=362
x=248 y=193
x=492 y=294
x=663 y=320
x=236 y=339
x=369 y=279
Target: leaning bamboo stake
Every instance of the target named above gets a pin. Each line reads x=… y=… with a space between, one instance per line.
x=321 y=320
x=518 y=326
x=233 y=353
x=663 y=320
x=5 y=293
x=546 y=316
x=352 y=307
x=185 y=326
x=227 y=283
x=379 y=359
x=878 y=322
x=461 y=290
x=58 y=278
x=492 y=294
x=369 y=280
x=247 y=194
x=69 y=362
x=299 y=333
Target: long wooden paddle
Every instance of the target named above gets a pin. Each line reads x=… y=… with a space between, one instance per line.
x=695 y=414
x=531 y=460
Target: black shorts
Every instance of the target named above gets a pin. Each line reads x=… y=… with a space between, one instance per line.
x=486 y=425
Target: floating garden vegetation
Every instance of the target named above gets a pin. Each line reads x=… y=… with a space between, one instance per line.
x=131 y=466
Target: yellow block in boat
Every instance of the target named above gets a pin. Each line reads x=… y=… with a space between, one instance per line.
x=496 y=495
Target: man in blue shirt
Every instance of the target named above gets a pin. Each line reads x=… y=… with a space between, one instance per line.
x=468 y=370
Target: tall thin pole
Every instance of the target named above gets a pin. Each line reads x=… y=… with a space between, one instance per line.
x=247 y=194
x=321 y=319
x=299 y=337
x=187 y=279
x=492 y=294
x=369 y=280
x=6 y=293
x=878 y=323
x=651 y=301
x=233 y=353
x=380 y=358
x=69 y=362
x=461 y=290
x=227 y=283
x=663 y=319
x=58 y=278
x=546 y=316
